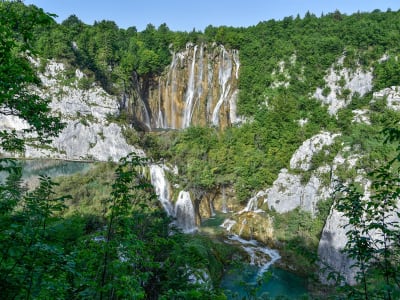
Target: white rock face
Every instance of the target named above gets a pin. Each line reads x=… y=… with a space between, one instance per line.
x=301 y=159
x=288 y=193
x=356 y=81
x=392 y=96
x=332 y=242
x=88 y=134
x=361 y=116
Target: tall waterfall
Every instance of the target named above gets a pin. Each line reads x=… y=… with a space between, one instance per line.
x=224 y=208
x=160 y=123
x=199 y=88
x=185 y=213
x=225 y=70
x=190 y=93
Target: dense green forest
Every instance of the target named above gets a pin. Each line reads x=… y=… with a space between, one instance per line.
x=117 y=242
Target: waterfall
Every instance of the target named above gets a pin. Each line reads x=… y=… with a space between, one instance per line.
x=233 y=109
x=171 y=87
x=252 y=204
x=228 y=224
x=235 y=56
x=184 y=212
x=212 y=210
x=160 y=122
x=145 y=114
x=224 y=207
x=199 y=87
x=161 y=187
x=244 y=223
x=199 y=82
x=257 y=253
x=187 y=113
x=223 y=77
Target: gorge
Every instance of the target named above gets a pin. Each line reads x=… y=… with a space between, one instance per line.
x=255 y=130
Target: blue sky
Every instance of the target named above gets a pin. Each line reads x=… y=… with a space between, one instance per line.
x=184 y=15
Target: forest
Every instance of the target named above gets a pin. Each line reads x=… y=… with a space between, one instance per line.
x=104 y=235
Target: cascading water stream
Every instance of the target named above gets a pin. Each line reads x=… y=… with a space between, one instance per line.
x=225 y=71
x=201 y=80
x=171 y=88
x=257 y=253
x=235 y=56
x=161 y=187
x=184 y=212
x=160 y=122
x=224 y=208
x=190 y=93
x=252 y=204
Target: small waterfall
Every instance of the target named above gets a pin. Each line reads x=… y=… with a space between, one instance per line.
x=228 y=224
x=244 y=222
x=224 y=207
x=212 y=210
x=224 y=75
x=161 y=187
x=184 y=212
x=190 y=93
x=210 y=79
x=257 y=253
x=252 y=204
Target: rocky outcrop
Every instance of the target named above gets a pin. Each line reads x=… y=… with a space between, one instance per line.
x=289 y=190
x=88 y=133
x=199 y=88
x=342 y=84
x=333 y=240
x=301 y=159
x=330 y=250
x=392 y=96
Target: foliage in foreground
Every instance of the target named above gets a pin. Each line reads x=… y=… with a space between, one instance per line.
x=132 y=253
x=373 y=230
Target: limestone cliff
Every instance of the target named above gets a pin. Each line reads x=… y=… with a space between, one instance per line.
x=88 y=133
x=342 y=84
x=198 y=88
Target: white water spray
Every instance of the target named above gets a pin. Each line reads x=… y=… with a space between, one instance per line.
x=225 y=71
x=161 y=187
x=184 y=212
x=190 y=93
x=257 y=253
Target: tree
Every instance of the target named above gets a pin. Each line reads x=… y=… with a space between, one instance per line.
x=26 y=257
x=17 y=75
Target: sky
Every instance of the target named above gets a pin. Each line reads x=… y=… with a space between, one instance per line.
x=186 y=15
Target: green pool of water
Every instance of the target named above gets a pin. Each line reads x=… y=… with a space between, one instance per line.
x=239 y=282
